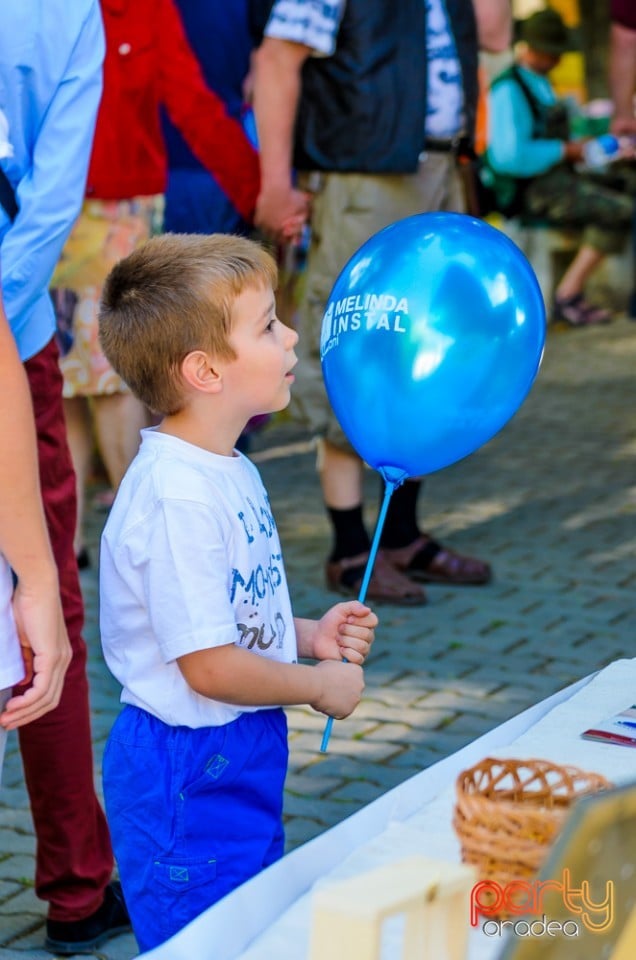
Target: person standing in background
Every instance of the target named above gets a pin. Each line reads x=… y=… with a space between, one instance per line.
x=371 y=102
x=219 y=37
x=50 y=83
x=149 y=65
x=34 y=647
x=622 y=65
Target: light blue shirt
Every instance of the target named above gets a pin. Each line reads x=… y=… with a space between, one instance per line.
x=51 y=54
x=511 y=149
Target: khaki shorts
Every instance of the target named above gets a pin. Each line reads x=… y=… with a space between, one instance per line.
x=348 y=208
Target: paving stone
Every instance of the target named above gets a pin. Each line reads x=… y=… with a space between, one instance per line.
x=299 y=831
x=12 y=841
x=24 y=902
x=14 y=796
x=19 y=926
x=18 y=867
x=25 y=950
x=380 y=779
x=119 y=948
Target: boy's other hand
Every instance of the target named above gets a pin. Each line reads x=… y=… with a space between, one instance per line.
x=345 y=632
x=340 y=688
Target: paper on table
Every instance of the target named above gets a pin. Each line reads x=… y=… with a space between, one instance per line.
x=620 y=729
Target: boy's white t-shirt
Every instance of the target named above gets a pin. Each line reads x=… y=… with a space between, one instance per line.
x=11 y=662
x=190 y=559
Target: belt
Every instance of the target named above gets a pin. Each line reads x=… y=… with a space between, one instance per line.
x=459 y=146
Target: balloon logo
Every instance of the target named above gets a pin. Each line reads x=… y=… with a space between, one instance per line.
x=430 y=342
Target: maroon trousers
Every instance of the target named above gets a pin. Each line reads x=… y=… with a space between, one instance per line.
x=74 y=859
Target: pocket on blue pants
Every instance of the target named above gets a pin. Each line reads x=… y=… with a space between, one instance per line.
x=185 y=887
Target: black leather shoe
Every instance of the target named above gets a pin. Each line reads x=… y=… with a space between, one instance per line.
x=66 y=938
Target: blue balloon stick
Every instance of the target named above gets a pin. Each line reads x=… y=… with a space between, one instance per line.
x=364 y=586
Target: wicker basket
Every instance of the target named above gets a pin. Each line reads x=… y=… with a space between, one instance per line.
x=508 y=812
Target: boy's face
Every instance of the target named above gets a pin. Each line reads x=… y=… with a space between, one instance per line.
x=260 y=376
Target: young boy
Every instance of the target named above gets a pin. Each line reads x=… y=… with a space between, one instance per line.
x=196 y=620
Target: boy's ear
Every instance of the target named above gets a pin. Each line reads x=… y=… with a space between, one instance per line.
x=199 y=372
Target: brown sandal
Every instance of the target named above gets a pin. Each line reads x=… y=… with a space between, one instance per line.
x=577 y=312
x=387 y=585
x=427 y=561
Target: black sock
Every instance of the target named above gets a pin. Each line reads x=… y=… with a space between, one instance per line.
x=350 y=535
x=400 y=526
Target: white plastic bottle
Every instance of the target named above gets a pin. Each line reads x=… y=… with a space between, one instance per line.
x=599 y=152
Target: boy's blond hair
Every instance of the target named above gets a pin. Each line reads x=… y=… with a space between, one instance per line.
x=173 y=295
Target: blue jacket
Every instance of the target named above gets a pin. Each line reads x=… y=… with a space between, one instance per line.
x=51 y=54
x=218 y=34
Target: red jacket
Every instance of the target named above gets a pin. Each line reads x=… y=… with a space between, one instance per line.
x=149 y=63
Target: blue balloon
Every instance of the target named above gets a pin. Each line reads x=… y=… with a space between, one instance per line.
x=431 y=339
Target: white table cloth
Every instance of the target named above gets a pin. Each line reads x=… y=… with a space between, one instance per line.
x=270 y=915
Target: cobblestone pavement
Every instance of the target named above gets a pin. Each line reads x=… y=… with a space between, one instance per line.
x=550 y=502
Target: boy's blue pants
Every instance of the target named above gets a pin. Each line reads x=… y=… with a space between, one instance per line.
x=192 y=813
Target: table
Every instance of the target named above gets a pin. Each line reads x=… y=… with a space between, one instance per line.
x=270 y=915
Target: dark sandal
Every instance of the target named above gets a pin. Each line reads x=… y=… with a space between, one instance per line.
x=427 y=561
x=387 y=585
x=577 y=312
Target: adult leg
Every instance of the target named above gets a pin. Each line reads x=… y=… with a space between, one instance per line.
x=575 y=277
x=341 y=480
x=566 y=198
x=419 y=555
x=118 y=419
x=334 y=238
x=569 y=302
x=370 y=203
x=74 y=859
x=79 y=436
x=437 y=186
x=340 y=476
x=105 y=232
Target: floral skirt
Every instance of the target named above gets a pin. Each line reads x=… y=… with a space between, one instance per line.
x=105 y=231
